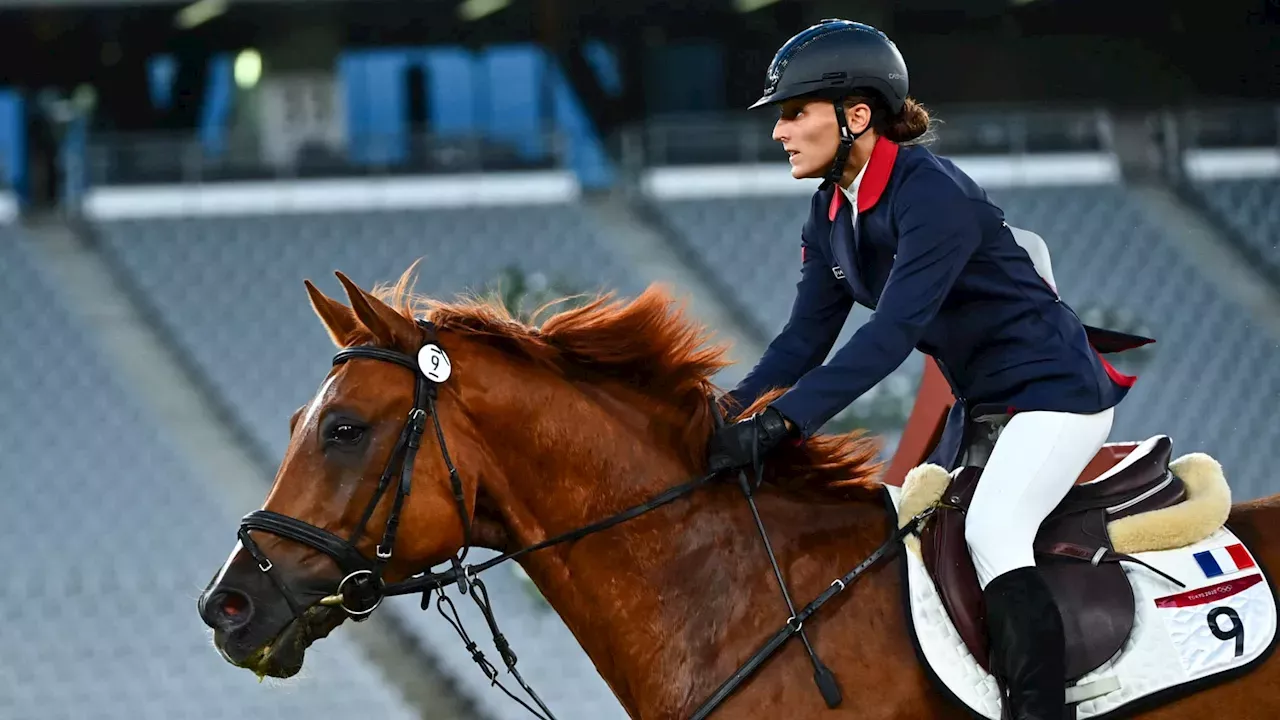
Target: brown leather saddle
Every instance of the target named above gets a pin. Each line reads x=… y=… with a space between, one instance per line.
x=1073 y=551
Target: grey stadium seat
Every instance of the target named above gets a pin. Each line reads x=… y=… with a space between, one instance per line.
x=229 y=292
x=106 y=540
x=1252 y=208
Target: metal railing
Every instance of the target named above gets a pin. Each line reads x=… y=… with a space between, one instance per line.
x=144 y=158
x=1212 y=125
x=1176 y=131
x=1014 y=130
x=732 y=139
x=728 y=138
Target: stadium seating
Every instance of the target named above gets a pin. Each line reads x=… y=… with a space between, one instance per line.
x=107 y=539
x=752 y=245
x=229 y=292
x=1210 y=382
x=1252 y=208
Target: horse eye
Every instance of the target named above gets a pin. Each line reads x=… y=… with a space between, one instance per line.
x=345 y=435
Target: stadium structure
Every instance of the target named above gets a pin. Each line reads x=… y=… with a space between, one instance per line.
x=171 y=173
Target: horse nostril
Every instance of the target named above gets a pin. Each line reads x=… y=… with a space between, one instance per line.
x=227 y=610
x=235 y=604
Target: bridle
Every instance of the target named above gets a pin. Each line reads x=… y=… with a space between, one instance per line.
x=362 y=589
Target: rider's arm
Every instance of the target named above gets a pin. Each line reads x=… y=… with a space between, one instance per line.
x=937 y=234
x=817 y=314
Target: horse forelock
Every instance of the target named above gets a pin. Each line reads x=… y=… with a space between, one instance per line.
x=651 y=345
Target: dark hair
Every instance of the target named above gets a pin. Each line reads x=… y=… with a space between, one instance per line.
x=912 y=124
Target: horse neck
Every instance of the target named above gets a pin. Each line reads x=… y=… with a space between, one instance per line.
x=653 y=600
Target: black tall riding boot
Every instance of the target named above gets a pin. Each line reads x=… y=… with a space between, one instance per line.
x=1028 y=649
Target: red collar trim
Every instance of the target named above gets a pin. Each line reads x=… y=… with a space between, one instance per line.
x=874 y=180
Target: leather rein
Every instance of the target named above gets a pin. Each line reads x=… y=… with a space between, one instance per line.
x=361 y=589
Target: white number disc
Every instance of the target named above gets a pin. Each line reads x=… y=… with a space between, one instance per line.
x=434 y=363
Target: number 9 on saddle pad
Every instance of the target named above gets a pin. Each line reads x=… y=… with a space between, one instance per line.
x=1179 y=603
x=1213 y=627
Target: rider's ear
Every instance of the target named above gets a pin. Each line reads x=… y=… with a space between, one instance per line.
x=857 y=114
x=388 y=326
x=338 y=319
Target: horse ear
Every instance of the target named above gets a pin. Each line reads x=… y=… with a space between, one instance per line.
x=338 y=319
x=390 y=327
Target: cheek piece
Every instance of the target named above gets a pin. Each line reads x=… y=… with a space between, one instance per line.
x=846 y=143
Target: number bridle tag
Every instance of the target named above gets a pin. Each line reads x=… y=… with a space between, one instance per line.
x=434 y=363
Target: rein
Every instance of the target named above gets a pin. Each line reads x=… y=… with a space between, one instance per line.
x=362 y=589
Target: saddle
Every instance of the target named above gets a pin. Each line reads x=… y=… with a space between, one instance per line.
x=1073 y=551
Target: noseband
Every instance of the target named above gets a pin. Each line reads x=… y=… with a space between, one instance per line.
x=362 y=589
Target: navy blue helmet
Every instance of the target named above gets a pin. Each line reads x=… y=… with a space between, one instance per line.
x=837 y=57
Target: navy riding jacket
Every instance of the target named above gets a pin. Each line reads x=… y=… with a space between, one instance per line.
x=936 y=261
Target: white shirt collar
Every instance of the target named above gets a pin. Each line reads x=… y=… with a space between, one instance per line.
x=852 y=193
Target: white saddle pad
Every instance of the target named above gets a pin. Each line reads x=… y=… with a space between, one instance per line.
x=1223 y=621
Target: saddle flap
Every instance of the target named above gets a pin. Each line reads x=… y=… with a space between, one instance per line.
x=1095 y=598
x=946 y=556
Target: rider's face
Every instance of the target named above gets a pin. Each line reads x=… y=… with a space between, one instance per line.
x=808 y=132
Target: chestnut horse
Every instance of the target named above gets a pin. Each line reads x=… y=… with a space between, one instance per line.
x=552 y=428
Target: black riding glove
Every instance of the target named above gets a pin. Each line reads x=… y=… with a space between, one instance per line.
x=733 y=446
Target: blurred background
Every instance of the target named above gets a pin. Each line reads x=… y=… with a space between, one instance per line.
x=170 y=172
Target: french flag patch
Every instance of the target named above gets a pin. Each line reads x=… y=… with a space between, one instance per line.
x=1224 y=560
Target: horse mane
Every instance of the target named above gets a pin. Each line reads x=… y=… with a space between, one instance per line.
x=649 y=344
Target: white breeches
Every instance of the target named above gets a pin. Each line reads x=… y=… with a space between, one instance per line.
x=1035 y=461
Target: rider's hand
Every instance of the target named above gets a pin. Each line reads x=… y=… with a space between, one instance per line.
x=731 y=446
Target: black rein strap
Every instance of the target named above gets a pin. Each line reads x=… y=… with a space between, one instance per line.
x=794 y=625
x=432 y=581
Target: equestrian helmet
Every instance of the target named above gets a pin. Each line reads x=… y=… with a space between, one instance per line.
x=837 y=57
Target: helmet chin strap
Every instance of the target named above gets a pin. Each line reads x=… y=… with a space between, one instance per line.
x=836 y=171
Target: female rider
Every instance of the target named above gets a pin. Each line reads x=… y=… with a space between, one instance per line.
x=909 y=235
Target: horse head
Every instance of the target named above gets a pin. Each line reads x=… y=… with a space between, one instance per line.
x=442 y=427
x=264 y=604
